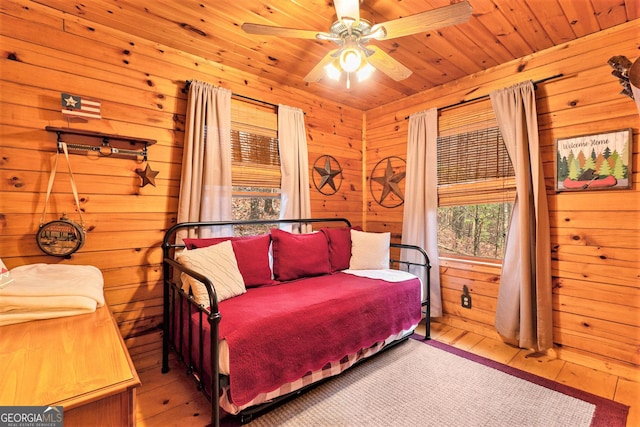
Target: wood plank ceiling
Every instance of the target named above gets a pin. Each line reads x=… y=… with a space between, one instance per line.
x=499 y=31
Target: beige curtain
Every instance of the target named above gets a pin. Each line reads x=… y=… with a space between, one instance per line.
x=420 y=218
x=205 y=185
x=295 y=202
x=524 y=312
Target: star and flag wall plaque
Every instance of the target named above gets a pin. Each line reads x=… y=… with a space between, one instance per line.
x=76 y=106
x=86 y=108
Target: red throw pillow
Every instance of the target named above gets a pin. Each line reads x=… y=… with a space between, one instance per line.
x=339 y=240
x=252 y=256
x=299 y=255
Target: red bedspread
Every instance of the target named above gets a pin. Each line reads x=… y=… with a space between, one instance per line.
x=316 y=320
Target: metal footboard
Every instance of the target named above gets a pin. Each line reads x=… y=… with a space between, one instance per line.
x=423 y=263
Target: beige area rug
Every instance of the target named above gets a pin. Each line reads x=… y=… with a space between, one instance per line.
x=432 y=384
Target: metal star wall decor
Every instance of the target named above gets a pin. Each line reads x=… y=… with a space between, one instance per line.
x=148 y=176
x=385 y=181
x=329 y=174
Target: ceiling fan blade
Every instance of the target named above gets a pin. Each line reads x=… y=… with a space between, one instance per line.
x=349 y=9
x=318 y=71
x=280 y=31
x=385 y=63
x=445 y=16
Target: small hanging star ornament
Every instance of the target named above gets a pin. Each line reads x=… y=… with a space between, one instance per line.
x=148 y=176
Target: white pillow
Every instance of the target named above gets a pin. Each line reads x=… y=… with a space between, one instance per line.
x=5 y=275
x=369 y=251
x=218 y=263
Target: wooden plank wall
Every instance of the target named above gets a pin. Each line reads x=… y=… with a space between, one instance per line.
x=45 y=52
x=595 y=235
x=596 y=246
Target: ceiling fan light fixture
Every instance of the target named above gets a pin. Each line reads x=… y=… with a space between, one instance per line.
x=365 y=72
x=332 y=71
x=352 y=34
x=350 y=60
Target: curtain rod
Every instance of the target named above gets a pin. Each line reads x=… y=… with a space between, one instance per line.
x=235 y=95
x=246 y=98
x=465 y=101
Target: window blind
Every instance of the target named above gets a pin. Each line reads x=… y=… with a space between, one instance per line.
x=473 y=163
x=254 y=146
x=472 y=156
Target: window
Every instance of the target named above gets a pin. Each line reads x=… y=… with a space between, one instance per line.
x=255 y=164
x=473 y=230
x=476 y=183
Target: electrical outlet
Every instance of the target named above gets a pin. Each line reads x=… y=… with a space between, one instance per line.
x=465 y=298
x=466 y=301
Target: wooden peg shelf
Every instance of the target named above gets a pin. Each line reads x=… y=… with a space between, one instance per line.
x=105 y=149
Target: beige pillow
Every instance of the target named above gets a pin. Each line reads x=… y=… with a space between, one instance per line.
x=369 y=251
x=218 y=263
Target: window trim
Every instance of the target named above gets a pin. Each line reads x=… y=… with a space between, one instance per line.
x=489 y=262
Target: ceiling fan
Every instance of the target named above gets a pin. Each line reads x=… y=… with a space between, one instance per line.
x=352 y=35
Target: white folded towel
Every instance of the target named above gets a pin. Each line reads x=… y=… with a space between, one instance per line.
x=43 y=291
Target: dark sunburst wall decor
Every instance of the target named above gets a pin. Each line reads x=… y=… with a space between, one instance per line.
x=327 y=175
x=385 y=181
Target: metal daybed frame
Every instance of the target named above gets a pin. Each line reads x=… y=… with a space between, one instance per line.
x=175 y=297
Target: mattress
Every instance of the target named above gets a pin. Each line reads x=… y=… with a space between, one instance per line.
x=387 y=275
x=383 y=311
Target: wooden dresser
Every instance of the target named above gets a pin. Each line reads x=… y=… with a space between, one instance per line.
x=78 y=362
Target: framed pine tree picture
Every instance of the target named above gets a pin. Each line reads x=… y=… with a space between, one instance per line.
x=594 y=162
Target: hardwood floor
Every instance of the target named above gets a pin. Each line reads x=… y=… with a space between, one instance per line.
x=172 y=399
